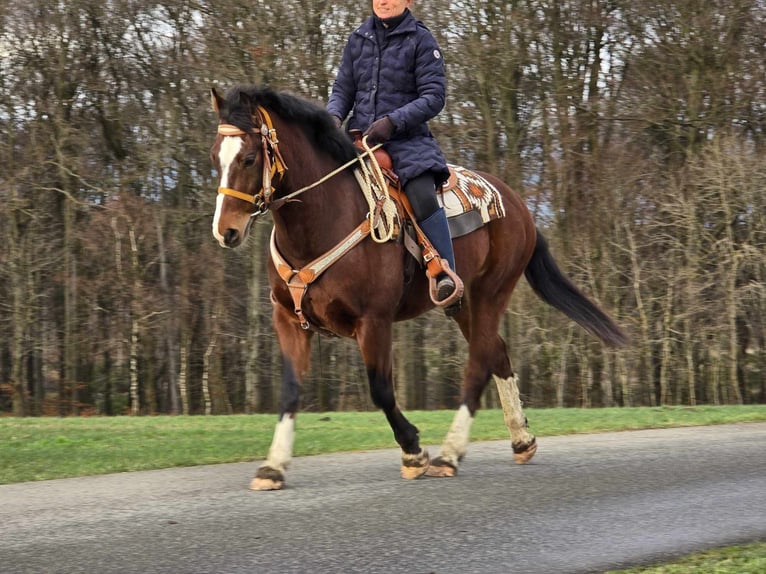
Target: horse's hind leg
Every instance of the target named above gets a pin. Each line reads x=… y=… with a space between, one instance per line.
x=374 y=338
x=295 y=344
x=485 y=351
x=487 y=359
x=477 y=375
x=523 y=442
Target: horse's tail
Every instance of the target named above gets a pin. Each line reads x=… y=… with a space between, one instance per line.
x=553 y=287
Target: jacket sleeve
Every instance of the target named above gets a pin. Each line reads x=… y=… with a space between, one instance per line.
x=431 y=85
x=344 y=87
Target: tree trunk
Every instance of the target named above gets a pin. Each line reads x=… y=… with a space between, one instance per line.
x=70 y=311
x=561 y=378
x=691 y=368
x=135 y=399
x=647 y=372
x=18 y=392
x=665 y=391
x=207 y=398
x=135 y=405
x=183 y=385
x=171 y=324
x=207 y=395
x=606 y=380
x=253 y=331
x=735 y=396
x=622 y=371
x=586 y=380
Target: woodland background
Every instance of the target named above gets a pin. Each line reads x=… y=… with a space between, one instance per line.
x=636 y=132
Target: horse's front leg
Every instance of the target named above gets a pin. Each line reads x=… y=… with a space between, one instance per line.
x=295 y=344
x=374 y=338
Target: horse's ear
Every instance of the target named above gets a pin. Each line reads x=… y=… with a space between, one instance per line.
x=215 y=100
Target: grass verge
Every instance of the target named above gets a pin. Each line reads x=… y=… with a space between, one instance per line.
x=748 y=559
x=46 y=448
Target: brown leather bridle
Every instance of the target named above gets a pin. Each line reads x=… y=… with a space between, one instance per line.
x=272 y=162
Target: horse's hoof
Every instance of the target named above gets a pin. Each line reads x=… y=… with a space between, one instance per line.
x=267 y=478
x=440 y=468
x=266 y=484
x=415 y=465
x=523 y=453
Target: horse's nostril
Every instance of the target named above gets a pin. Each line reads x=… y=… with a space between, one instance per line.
x=230 y=236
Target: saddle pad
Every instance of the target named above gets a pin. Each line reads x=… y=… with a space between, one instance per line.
x=469 y=200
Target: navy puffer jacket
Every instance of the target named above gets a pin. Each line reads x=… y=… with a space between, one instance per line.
x=403 y=79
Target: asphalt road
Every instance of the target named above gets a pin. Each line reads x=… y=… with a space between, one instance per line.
x=586 y=503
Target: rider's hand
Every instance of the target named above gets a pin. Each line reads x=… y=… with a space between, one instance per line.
x=380 y=131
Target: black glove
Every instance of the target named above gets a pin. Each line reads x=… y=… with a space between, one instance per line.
x=337 y=121
x=380 y=131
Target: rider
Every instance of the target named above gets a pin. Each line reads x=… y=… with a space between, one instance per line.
x=392 y=77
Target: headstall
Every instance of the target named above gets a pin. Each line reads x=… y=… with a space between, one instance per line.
x=273 y=164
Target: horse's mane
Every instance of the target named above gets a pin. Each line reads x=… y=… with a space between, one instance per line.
x=314 y=120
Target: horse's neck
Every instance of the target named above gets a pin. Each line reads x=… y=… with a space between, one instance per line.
x=319 y=218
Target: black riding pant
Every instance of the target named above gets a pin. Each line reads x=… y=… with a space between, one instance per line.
x=421 y=192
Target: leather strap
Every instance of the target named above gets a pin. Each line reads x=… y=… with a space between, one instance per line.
x=273 y=163
x=298 y=280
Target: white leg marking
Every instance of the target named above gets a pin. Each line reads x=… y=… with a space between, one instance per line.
x=508 y=391
x=281 y=451
x=230 y=147
x=456 y=442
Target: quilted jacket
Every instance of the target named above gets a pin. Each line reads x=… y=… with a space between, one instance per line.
x=403 y=79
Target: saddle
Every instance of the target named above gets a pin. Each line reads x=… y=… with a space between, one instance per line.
x=468 y=199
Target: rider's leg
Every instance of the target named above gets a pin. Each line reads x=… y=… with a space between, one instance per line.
x=421 y=193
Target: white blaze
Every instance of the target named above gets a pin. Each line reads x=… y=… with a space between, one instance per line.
x=230 y=147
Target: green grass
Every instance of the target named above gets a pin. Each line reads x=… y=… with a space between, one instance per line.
x=46 y=448
x=749 y=559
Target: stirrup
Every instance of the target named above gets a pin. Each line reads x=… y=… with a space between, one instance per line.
x=444 y=287
x=434 y=287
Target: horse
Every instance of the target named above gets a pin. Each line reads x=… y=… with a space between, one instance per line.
x=280 y=153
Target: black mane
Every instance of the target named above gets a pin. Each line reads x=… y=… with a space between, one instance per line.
x=314 y=120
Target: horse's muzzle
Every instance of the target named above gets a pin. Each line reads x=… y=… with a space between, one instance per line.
x=232 y=238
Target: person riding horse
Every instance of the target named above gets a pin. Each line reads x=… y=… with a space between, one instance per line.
x=391 y=80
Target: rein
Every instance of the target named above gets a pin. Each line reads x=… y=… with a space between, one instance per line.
x=368 y=151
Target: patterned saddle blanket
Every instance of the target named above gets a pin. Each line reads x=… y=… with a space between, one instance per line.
x=469 y=200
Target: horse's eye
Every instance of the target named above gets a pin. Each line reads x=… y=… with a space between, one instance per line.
x=249 y=160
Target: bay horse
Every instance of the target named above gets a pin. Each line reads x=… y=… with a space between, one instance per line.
x=327 y=275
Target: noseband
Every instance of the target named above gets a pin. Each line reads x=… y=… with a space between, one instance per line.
x=272 y=162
